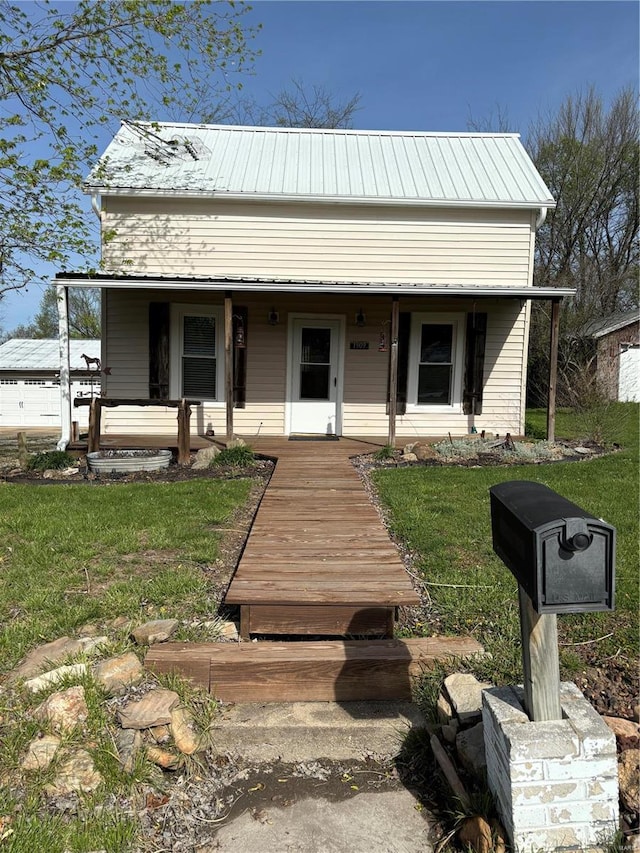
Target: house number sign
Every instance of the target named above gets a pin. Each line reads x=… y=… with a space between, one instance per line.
x=358 y=344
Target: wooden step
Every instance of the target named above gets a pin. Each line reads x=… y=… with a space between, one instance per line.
x=307 y=671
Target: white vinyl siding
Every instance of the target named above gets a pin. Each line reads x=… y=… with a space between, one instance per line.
x=307 y=242
x=365 y=370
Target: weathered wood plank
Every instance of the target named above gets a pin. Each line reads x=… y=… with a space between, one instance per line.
x=317 y=541
x=336 y=670
x=314 y=619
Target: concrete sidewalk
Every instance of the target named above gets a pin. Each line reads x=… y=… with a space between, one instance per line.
x=355 y=819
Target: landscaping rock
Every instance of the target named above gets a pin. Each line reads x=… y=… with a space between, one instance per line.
x=162 y=758
x=450 y=731
x=54 y=676
x=408 y=448
x=205 y=457
x=128 y=744
x=425 y=451
x=155 y=632
x=627 y=733
x=160 y=734
x=229 y=631
x=118 y=673
x=470 y=749
x=55 y=652
x=119 y=622
x=475 y=833
x=444 y=710
x=499 y=836
x=56 y=473
x=64 y=710
x=465 y=692
x=77 y=775
x=154 y=709
x=629 y=780
x=409 y=457
x=183 y=730
x=89 y=630
x=40 y=752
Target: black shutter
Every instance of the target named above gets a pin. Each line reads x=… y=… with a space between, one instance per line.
x=159 y=328
x=474 y=363
x=404 y=334
x=240 y=317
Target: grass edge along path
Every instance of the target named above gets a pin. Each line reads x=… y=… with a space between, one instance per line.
x=442 y=516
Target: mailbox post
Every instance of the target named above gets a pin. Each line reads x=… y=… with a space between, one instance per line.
x=564 y=561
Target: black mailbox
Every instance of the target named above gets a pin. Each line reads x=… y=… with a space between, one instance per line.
x=563 y=557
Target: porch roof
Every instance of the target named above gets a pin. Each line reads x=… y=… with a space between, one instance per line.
x=281 y=285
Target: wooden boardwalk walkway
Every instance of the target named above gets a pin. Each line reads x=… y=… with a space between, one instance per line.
x=318 y=559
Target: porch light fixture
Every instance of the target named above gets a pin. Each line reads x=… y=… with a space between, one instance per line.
x=239 y=336
x=273 y=317
x=382 y=341
x=361 y=318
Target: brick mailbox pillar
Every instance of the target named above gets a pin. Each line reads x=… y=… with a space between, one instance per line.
x=555 y=783
x=551 y=760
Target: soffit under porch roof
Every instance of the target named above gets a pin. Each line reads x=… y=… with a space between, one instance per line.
x=280 y=285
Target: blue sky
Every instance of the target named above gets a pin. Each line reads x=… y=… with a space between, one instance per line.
x=434 y=65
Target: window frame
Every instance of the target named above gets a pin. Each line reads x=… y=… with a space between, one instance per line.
x=457 y=322
x=178 y=313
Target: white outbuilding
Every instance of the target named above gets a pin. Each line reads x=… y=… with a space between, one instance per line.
x=30 y=381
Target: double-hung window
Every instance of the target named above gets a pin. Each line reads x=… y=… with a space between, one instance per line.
x=435 y=361
x=197 y=353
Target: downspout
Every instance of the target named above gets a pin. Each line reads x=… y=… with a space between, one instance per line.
x=542 y=215
x=95 y=206
x=62 y=294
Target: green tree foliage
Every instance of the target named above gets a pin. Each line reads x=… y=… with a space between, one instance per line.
x=588 y=156
x=84 y=316
x=67 y=71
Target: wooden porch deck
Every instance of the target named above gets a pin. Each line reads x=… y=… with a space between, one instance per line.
x=318 y=559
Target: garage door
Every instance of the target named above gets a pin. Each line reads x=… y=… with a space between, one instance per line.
x=36 y=402
x=29 y=402
x=629 y=376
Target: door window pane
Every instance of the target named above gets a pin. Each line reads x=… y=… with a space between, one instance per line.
x=435 y=370
x=314 y=381
x=316 y=346
x=315 y=363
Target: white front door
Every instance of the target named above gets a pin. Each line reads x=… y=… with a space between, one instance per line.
x=315 y=376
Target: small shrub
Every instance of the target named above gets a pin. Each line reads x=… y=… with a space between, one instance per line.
x=386 y=452
x=237 y=457
x=50 y=459
x=534 y=430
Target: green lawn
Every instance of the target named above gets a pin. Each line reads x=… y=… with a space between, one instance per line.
x=442 y=514
x=79 y=553
x=73 y=554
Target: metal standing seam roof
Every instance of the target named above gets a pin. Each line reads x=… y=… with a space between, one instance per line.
x=359 y=166
x=297 y=285
x=44 y=354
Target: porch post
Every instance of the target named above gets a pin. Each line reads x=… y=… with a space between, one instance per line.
x=228 y=361
x=393 y=371
x=62 y=296
x=553 y=369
